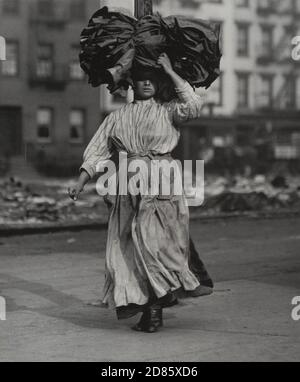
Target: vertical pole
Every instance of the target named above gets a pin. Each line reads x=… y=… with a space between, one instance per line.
x=143 y=8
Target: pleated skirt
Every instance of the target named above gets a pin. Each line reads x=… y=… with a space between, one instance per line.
x=147 y=252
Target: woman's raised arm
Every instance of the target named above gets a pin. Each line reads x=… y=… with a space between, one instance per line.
x=189 y=105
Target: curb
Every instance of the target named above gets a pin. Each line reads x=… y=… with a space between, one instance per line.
x=32 y=230
x=13 y=230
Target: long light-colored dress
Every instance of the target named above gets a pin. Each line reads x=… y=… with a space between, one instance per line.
x=148 y=236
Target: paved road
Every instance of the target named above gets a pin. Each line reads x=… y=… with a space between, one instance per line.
x=47 y=280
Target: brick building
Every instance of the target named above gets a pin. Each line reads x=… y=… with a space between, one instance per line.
x=48 y=112
x=47 y=109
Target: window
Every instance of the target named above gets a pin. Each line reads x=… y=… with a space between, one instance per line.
x=77 y=122
x=266 y=40
x=291 y=92
x=76 y=73
x=243 y=90
x=266 y=91
x=45 y=8
x=191 y=4
x=10 y=67
x=11 y=7
x=266 y=4
x=44 y=68
x=242 y=40
x=242 y=3
x=44 y=124
x=284 y=146
x=77 y=9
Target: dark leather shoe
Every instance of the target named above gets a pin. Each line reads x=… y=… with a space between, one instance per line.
x=150 y=321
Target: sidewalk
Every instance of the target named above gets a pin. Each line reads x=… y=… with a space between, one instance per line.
x=47 y=281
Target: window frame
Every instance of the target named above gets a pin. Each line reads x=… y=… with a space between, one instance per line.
x=81 y=141
x=246 y=51
x=75 y=62
x=80 y=16
x=243 y=75
x=48 y=140
x=270 y=78
x=40 y=58
x=11 y=11
x=245 y=4
x=3 y=63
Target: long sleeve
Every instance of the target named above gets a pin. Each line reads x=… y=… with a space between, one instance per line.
x=188 y=106
x=98 y=150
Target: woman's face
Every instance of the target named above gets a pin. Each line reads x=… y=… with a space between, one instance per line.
x=145 y=89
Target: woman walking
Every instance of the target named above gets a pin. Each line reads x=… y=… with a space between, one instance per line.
x=148 y=237
x=148 y=244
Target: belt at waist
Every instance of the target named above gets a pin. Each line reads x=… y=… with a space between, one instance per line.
x=149 y=154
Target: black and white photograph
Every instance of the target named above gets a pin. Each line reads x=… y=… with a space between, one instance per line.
x=149 y=183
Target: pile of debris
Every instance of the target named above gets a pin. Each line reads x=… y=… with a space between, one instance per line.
x=47 y=203
x=256 y=194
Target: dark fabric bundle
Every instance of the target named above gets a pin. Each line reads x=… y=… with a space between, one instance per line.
x=113 y=45
x=150 y=41
x=195 y=49
x=104 y=42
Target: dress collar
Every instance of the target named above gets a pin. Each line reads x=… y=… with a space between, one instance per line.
x=149 y=101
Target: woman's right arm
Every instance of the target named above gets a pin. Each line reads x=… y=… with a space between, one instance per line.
x=78 y=188
x=96 y=153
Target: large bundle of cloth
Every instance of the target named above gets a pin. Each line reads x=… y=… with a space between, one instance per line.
x=115 y=45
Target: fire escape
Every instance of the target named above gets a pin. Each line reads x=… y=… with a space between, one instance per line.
x=47 y=20
x=285 y=98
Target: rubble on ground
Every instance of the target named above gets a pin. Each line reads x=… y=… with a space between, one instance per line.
x=40 y=203
x=46 y=202
x=256 y=194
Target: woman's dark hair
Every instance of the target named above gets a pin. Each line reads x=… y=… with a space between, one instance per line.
x=165 y=88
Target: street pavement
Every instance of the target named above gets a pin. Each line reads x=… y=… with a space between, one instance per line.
x=48 y=280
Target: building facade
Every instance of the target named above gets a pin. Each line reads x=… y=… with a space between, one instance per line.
x=48 y=112
x=257 y=65
x=256 y=100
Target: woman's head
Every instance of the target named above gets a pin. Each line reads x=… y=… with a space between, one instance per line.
x=152 y=83
x=145 y=84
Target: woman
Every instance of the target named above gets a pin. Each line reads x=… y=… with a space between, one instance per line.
x=147 y=252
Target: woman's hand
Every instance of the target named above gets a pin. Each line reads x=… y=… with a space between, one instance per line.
x=74 y=192
x=165 y=62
